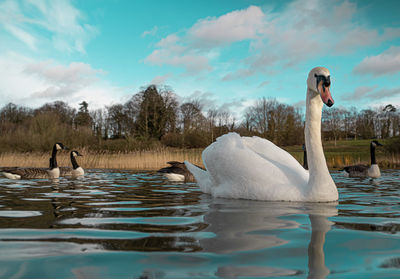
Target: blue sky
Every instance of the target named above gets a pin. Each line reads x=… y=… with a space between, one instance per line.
x=224 y=53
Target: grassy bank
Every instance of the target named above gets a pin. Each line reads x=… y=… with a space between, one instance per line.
x=350 y=152
x=339 y=155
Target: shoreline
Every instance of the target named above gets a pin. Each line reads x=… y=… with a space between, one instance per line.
x=153 y=160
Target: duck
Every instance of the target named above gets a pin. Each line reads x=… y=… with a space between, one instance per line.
x=255 y=168
x=76 y=170
x=372 y=170
x=177 y=171
x=31 y=173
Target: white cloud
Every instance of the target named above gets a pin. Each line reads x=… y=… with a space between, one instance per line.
x=385 y=63
x=386 y=92
x=303 y=30
x=232 y=27
x=22 y=35
x=369 y=93
x=210 y=101
x=159 y=80
x=300 y=104
x=28 y=82
x=359 y=93
x=150 y=32
x=264 y=83
x=192 y=63
x=206 y=99
x=310 y=29
x=41 y=21
x=77 y=73
x=194 y=50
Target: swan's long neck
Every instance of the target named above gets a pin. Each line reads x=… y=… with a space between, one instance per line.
x=320 y=185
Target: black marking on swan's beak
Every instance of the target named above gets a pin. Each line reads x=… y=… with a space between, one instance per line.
x=330 y=103
x=326 y=81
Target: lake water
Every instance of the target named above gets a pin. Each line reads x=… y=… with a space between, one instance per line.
x=139 y=225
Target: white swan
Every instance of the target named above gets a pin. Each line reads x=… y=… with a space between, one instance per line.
x=255 y=168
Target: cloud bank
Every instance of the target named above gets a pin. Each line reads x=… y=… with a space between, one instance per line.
x=368 y=93
x=302 y=31
x=42 y=22
x=28 y=82
x=386 y=63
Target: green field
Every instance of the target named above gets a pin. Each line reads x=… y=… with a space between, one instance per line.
x=348 y=152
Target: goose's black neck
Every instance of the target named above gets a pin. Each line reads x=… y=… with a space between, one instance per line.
x=305 y=163
x=372 y=151
x=74 y=162
x=53 y=163
x=53 y=159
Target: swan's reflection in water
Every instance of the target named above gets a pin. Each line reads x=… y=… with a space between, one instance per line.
x=167 y=229
x=247 y=226
x=320 y=225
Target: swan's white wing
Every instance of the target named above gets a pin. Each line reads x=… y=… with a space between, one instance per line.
x=240 y=168
x=279 y=157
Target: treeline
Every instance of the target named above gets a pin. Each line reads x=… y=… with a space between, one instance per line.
x=153 y=118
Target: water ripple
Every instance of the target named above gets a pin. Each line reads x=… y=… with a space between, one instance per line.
x=121 y=224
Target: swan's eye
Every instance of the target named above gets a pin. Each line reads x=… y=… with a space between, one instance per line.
x=326 y=81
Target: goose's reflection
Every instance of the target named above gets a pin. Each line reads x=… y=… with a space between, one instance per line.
x=242 y=225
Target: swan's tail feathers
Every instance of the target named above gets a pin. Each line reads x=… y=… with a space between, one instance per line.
x=202 y=177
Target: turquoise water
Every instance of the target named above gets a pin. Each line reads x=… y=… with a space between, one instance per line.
x=139 y=225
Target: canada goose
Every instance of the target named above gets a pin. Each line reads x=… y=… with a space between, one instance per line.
x=76 y=170
x=177 y=171
x=365 y=170
x=305 y=162
x=28 y=173
x=255 y=168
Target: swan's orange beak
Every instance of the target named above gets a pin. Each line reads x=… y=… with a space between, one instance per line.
x=325 y=93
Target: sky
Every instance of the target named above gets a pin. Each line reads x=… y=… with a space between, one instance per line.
x=225 y=54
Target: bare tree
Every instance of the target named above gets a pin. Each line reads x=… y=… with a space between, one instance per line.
x=117 y=120
x=14 y=114
x=275 y=121
x=211 y=117
x=333 y=122
x=65 y=113
x=192 y=117
x=100 y=125
x=366 y=127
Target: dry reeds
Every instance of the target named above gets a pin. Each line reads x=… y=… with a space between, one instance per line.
x=340 y=161
x=135 y=160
